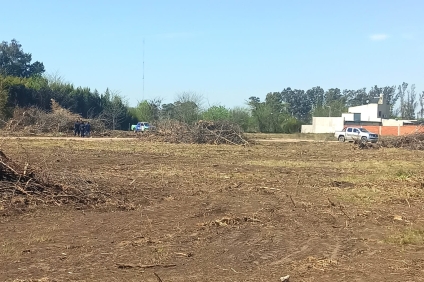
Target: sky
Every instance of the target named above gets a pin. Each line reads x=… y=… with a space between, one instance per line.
x=224 y=50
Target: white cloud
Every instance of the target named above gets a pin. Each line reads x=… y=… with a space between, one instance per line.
x=378 y=37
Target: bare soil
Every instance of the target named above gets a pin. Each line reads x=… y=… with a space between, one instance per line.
x=317 y=211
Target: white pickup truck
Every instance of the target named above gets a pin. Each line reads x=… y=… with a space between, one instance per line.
x=356 y=134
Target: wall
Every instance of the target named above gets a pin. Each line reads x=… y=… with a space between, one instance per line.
x=395 y=130
x=348 y=116
x=368 y=112
x=392 y=122
x=385 y=110
x=324 y=125
x=307 y=128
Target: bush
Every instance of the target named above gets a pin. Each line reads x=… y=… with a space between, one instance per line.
x=291 y=125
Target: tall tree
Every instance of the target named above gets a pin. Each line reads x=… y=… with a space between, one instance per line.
x=147 y=110
x=332 y=94
x=298 y=103
x=114 y=110
x=142 y=112
x=403 y=99
x=15 y=62
x=316 y=96
x=269 y=115
x=168 y=111
x=391 y=97
x=187 y=108
x=421 y=102
x=241 y=116
x=411 y=103
x=355 y=98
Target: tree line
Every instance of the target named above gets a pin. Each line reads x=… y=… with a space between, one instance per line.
x=23 y=83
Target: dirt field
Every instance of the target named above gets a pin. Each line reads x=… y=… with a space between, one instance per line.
x=319 y=211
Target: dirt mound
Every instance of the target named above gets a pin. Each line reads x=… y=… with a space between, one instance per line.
x=203 y=132
x=23 y=186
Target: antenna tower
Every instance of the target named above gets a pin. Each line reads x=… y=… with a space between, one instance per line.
x=143 y=69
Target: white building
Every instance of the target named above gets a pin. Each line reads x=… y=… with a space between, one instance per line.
x=375 y=112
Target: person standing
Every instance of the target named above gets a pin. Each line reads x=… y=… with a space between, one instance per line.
x=82 y=129
x=87 y=129
x=77 y=128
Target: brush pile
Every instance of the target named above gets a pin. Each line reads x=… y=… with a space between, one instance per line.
x=413 y=141
x=203 y=132
x=22 y=186
x=34 y=120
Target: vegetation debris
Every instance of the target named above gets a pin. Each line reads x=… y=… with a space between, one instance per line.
x=202 y=132
x=22 y=186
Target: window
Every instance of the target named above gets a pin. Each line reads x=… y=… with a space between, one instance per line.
x=379 y=114
x=349 y=130
x=355 y=130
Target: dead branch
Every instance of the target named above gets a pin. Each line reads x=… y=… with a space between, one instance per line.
x=341 y=208
x=130 y=265
x=157 y=276
x=291 y=199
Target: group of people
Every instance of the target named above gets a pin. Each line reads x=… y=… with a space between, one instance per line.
x=82 y=129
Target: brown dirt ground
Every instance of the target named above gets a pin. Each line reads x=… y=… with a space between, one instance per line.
x=314 y=211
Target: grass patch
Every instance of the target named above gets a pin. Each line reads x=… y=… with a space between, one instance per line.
x=361 y=196
x=409 y=237
x=404 y=175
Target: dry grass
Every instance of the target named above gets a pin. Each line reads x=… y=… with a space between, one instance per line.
x=300 y=136
x=316 y=211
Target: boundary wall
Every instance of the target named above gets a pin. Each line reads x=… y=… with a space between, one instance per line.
x=393 y=130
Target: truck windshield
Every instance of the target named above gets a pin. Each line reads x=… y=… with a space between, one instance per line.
x=363 y=130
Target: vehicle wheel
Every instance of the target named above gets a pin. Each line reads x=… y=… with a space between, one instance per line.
x=341 y=138
x=364 y=140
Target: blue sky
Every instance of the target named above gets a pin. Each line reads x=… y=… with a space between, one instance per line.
x=224 y=50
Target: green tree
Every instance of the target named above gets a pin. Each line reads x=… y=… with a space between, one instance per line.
x=146 y=111
x=115 y=109
x=216 y=113
x=403 y=99
x=355 y=98
x=411 y=103
x=316 y=96
x=155 y=108
x=333 y=94
x=168 y=111
x=187 y=108
x=268 y=115
x=242 y=117
x=334 y=108
x=15 y=62
x=298 y=103
x=391 y=97
x=421 y=103
x=5 y=111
